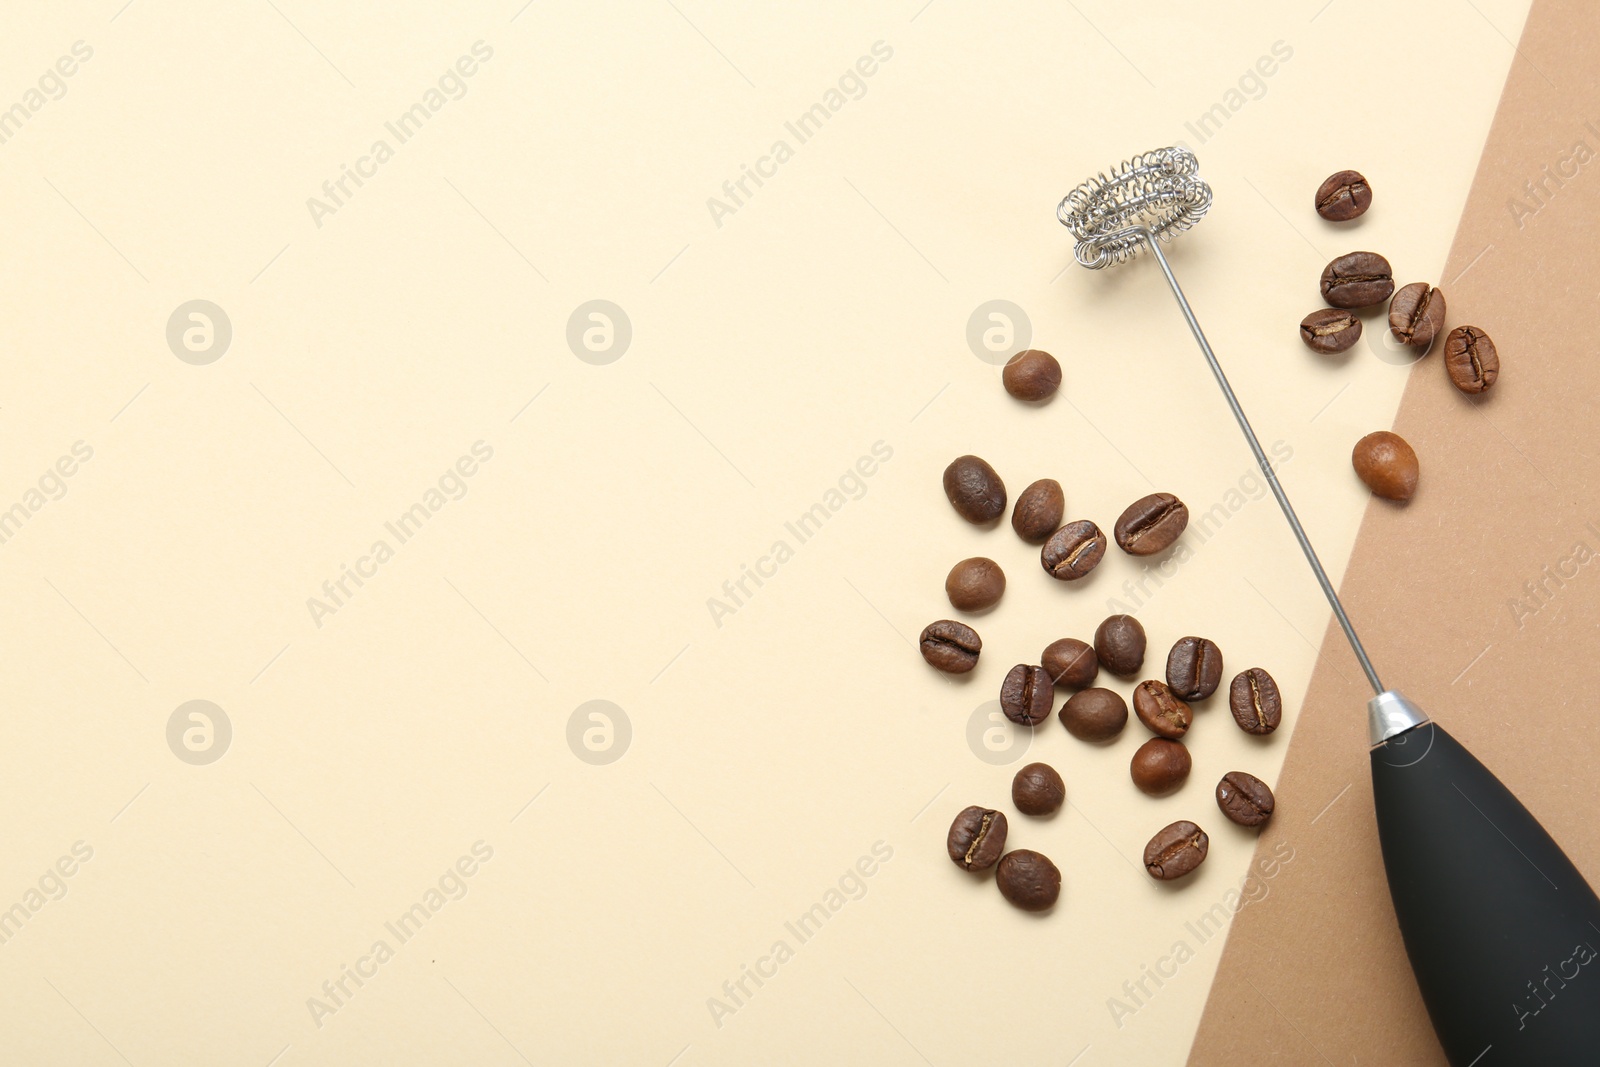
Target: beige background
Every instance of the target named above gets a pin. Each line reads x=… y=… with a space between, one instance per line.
x=828 y=313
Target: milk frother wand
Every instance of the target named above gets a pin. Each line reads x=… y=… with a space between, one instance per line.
x=1502 y=930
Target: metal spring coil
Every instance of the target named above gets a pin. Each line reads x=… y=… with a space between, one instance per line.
x=1157 y=193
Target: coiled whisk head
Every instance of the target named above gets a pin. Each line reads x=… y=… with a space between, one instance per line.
x=1153 y=195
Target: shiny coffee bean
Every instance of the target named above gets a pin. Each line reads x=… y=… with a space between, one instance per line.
x=1038 y=789
x=950 y=646
x=1194 y=668
x=975 y=490
x=1094 y=715
x=1032 y=375
x=977 y=838
x=1026 y=694
x=1073 y=551
x=1244 y=798
x=1160 y=766
x=1151 y=524
x=1357 y=280
x=1470 y=359
x=1255 y=702
x=1070 y=663
x=1416 y=314
x=1175 y=850
x=975 y=584
x=1038 y=511
x=1343 y=196
x=1330 y=330
x=1119 y=644
x=1386 y=463
x=1157 y=708
x=1028 y=879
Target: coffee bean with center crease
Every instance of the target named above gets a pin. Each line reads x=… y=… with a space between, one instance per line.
x=1094 y=715
x=1343 y=196
x=1073 y=551
x=1028 y=879
x=975 y=490
x=1194 y=668
x=1470 y=359
x=951 y=646
x=1387 y=464
x=1244 y=798
x=977 y=838
x=1119 y=644
x=1038 y=511
x=1255 y=702
x=1416 y=314
x=1157 y=708
x=975 y=584
x=1330 y=330
x=1357 y=280
x=1151 y=524
x=1175 y=850
x=1038 y=789
x=1026 y=694
x=1160 y=766
x=1070 y=663
x=1031 y=375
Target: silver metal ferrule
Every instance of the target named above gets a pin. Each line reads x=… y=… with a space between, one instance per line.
x=1389 y=713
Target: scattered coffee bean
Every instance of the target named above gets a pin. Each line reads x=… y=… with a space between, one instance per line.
x=1343 y=196
x=1031 y=375
x=1194 y=668
x=1387 y=464
x=1038 y=511
x=975 y=490
x=1151 y=524
x=1357 y=280
x=1244 y=798
x=1094 y=715
x=977 y=838
x=975 y=584
x=1160 y=766
x=1073 y=551
x=1175 y=850
x=1157 y=708
x=1330 y=330
x=1470 y=359
x=1026 y=694
x=1070 y=663
x=1255 y=702
x=1038 y=789
x=951 y=646
x=1028 y=879
x=1416 y=314
x=1119 y=644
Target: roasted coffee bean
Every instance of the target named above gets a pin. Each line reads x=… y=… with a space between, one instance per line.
x=1038 y=789
x=975 y=490
x=1073 y=551
x=1244 y=798
x=1038 y=511
x=1330 y=330
x=1026 y=694
x=1028 y=879
x=951 y=646
x=1160 y=766
x=977 y=838
x=1194 y=668
x=1416 y=314
x=1470 y=359
x=1387 y=464
x=1357 y=280
x=1031 y=375
x=1175 y=850
x=1119 y=645
x=1157 y=708
x=1094 y=715
x=1070 y=663
x=1343 y=196
x=1151 y=524
x=1254 y=700
x=975 y=584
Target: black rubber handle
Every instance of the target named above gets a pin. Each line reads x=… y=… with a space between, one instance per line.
x=1502 y=930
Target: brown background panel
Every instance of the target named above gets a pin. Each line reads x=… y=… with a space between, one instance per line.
x=1479 y=599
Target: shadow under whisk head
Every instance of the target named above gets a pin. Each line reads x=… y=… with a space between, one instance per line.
x=1155 y=195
